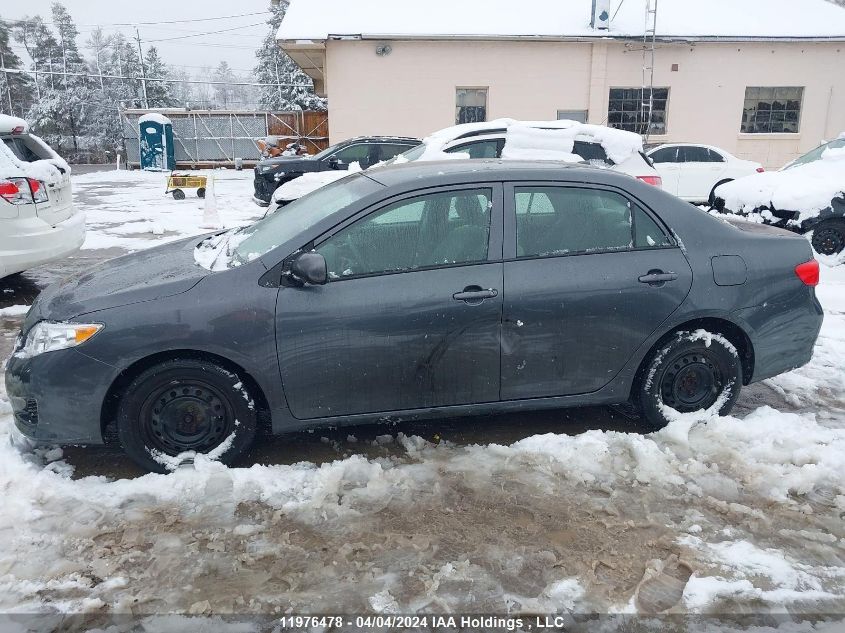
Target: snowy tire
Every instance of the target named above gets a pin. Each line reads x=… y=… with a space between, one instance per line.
x=201 y=192
x=178 y=194
x=185 y=406
x=829 y=237
x=693 y=370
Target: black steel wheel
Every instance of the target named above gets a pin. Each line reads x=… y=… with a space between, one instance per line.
x=829 y=237
x=178 y=194
x=692 y=371
x=185 y=406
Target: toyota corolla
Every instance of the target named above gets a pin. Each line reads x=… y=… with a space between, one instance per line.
x=420 y=290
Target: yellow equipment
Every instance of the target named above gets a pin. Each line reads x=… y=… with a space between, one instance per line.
x=178 y=182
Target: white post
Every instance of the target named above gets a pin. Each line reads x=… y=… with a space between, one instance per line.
x=210 y=217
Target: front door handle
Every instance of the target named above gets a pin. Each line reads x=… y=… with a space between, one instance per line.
x=475 y=294
x=657 y=277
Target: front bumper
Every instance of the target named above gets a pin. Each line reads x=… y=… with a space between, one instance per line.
x=57 y=397
x=30 y=241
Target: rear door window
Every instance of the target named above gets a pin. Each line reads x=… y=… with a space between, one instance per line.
x=576 y=221
x=591 y=152
x=489 y=148
x=693 y=154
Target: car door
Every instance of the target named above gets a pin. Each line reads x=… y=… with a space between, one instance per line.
x=700 y=170
x=411 y=315
x=589 y=276
x=665 y=161
x=359 y=152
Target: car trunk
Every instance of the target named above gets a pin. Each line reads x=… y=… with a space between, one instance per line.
x=42 y=166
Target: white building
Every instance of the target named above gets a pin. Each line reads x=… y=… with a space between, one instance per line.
x=765 y=79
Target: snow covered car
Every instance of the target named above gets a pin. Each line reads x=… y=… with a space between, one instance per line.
x=270 y=173
x=38 y=221
x=692 y=171
x=806 y=195
x=428 y=289
x=563 y=140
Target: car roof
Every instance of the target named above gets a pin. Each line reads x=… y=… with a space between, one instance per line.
x=431 y=173
x=381 y=139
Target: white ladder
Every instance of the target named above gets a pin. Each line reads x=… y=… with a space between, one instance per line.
x=647 y=91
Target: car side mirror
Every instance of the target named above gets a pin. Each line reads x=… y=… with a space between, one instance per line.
x=334 y=162
x=310 y=268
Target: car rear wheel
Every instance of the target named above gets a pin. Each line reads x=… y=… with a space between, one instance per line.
x=714 y=201
x=829 y=237
x=693 y=371
x=184 y=407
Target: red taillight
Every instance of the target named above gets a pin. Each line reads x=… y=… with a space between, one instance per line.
x=18 y=130
x=808 y=272
x=760 y=170
x=34 y=185
x=657 y=181
x=8 y=190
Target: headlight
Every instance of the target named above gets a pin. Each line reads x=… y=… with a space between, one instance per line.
x=49 y=337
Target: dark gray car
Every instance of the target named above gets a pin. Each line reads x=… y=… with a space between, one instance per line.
x=420 y=290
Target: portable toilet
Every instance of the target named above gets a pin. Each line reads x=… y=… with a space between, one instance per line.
x=155 y=135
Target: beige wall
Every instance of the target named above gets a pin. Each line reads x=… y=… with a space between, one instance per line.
x=411 y=91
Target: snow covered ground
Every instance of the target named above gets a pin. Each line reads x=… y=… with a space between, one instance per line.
x=129 y=210
x=711 y=515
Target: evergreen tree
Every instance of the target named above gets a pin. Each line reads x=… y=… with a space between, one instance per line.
x=274 y=66
x=16 y=89
x=224 y=93
x=158 y=92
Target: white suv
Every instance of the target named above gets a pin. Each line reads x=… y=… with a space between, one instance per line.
x=38 y=222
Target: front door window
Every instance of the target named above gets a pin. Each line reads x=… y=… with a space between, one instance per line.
x=439 y=229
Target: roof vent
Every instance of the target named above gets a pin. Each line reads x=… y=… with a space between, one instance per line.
x=601 y=15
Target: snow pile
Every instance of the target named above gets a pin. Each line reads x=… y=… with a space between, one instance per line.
x=306 y=183
x=13 y=311
x=554 y=140
x=807 y=188
x=47 y=170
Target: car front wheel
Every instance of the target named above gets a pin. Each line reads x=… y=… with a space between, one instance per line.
x=829 y=237
x=693 y=371
x=184 y=407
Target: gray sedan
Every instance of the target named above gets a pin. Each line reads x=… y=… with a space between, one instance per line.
x=420 y=290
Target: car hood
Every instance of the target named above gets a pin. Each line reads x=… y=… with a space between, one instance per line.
x=159 y=272
x=806 y=189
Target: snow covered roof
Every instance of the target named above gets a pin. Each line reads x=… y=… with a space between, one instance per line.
x=154 y=117
x=9 y=123
x=692 y=19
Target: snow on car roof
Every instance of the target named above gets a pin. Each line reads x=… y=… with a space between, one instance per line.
x=9 y=123
x=538 y=140
x=767 y=19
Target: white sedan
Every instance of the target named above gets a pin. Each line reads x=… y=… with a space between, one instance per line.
x=692 y=171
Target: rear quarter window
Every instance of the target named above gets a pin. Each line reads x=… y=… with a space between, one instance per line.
x=24 y=149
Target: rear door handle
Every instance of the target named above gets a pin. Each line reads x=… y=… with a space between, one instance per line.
x=475 y=294
x=655 y=277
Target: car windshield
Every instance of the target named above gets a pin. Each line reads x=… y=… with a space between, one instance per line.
x=291 y=220
x=327 y=152
x=816 y=154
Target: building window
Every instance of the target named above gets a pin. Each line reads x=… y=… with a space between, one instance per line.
x=572 y=115
x=772 y=110
x=626 y=112
x=471 y=105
